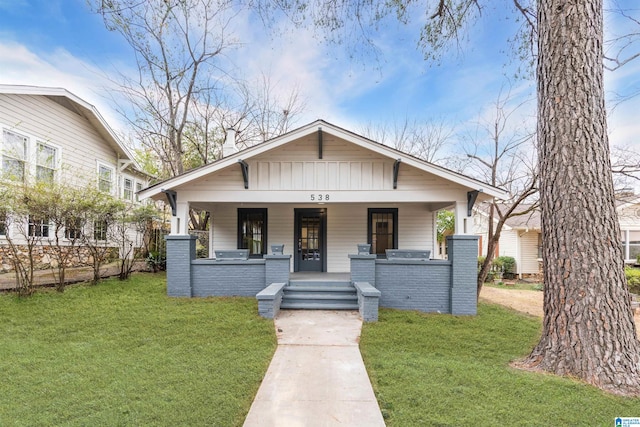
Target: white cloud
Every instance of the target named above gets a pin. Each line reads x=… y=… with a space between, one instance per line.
x=21 y=66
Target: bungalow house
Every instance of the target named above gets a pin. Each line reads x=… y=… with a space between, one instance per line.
x=51 y=135
x=521 y=236
x=292 y=211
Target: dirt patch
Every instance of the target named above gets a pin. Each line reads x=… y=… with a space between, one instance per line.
x=529 y=302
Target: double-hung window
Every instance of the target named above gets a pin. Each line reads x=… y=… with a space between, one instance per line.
x=382 y=230
x=38 y=227
x=3 y=224
x=138 y=189
x=100 y=230
x=105 y=178
x=127 y=188
x=252 y=231
x=46 y=161
x=14 y=155
x=72 y=230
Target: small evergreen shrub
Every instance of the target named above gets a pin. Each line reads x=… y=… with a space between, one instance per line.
x=633 y=279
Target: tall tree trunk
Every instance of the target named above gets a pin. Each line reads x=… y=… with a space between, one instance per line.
x=588 y=328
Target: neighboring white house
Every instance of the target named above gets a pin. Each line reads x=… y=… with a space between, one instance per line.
x=521 y=236
x=51 y=134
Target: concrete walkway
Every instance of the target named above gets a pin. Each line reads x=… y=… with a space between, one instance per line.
x=317 y=376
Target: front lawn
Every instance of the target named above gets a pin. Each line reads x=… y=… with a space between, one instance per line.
x=441 y=370
x=123 y=353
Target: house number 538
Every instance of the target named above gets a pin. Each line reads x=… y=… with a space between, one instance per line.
x=319 y=197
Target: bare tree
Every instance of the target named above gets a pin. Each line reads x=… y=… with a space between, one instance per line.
x=424 y=139
x=500 y=153
x=178 y=46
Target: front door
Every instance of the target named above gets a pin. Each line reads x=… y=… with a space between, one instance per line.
x=310 y=238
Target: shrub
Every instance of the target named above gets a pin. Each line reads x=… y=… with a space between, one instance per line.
x=507 y=263
x=633 y=279
x=480 y=262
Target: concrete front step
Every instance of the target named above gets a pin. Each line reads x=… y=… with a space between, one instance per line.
x=332 y=296
x=326 y=305
x=320 y=283
x=327 y=288
x=319 y=295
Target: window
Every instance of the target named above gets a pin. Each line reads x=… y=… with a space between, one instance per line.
x=382 y=230
x=252 y=231
x=138 y=189
x=3 y=224
x=539 y=245
x=127 y=189
x=100 y=230
x=105 y=178
x=72 y=230
x=46 y=161
x=632 y=244
x=14 y=154
x=38 y=227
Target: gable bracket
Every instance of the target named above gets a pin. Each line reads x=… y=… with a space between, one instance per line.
x=319 y=143
x=396 y=170
x=123 y=164
x=245 y=173
x=171 y=198
x=471 y=200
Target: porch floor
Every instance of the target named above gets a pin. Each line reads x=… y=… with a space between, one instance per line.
x=317 y=276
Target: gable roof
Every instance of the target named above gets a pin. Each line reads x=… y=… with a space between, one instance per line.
x=336 y=131
x=79 y=106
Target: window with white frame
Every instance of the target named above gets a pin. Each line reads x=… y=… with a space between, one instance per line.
x=100 y=230
x=46 y=162
x=138 y=189
x=631 y=244
x=127 y=188
x=14 y=155
x=3 y=224
x=73 y=229
x=38 y=227
x=105 y=178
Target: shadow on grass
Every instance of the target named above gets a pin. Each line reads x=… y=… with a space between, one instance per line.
x=430 y=370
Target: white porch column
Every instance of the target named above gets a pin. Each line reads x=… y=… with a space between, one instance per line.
x=463 y=222
x=180 y=222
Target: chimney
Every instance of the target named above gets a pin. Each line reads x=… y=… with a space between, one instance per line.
x=229 y=146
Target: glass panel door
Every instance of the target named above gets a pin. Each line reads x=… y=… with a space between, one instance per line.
x=309 y=232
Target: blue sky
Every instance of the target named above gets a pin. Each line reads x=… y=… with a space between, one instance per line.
x=60 y=43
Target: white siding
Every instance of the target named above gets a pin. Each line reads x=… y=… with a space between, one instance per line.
x=346 y=227
x=42 y=119
x=529 y=252
x=343 y=167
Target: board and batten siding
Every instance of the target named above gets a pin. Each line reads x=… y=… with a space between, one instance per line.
x=346 y=227
x=343 y=167
x=42 y=119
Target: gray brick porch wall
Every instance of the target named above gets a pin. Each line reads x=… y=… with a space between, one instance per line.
x=191 y=277
x=430 y=286
x=363 y=268
x=270 y=299
x=211 y=277
x=181 y=249
x=463 y=253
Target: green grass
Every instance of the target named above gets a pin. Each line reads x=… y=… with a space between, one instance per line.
x=123 y=353
x=441 y=370
x=523 y=286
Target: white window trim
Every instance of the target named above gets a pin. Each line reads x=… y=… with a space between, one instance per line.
x=133 y=188
x=137 y=183
x=56 y=169
x=114 y=181
x=28 y=149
